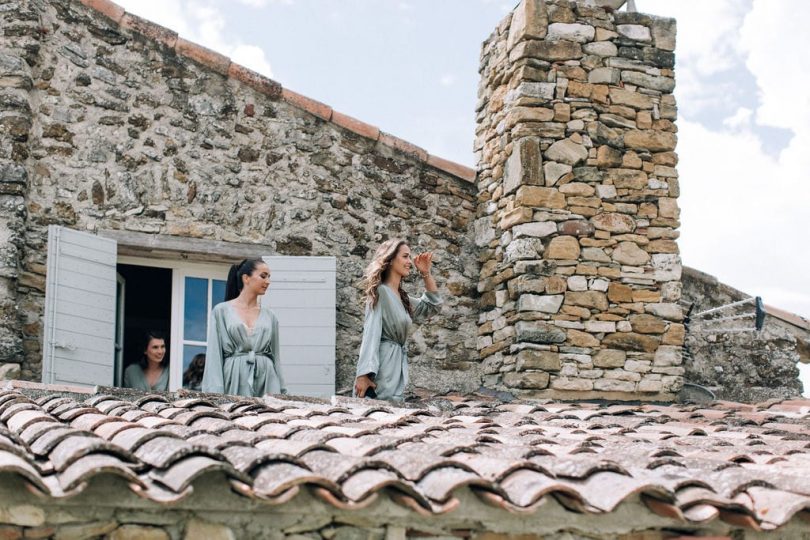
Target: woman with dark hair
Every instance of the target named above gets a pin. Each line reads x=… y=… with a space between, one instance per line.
x=149 y=373
x=242 y=356
x=382 y=369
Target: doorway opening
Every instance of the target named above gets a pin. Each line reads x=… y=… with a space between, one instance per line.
x=144 y=304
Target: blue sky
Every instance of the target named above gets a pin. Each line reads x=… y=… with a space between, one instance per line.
x=411 y=68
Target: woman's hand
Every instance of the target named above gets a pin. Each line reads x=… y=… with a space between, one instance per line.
x=362 y=384
x=423 y=263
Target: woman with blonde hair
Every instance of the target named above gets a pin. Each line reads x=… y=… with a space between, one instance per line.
x=382 y=369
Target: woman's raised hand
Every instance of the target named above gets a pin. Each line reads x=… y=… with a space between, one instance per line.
x=423 y=262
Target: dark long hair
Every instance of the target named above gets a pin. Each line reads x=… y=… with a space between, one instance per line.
x=148 y=336
x=194 y=374
x=234 y=284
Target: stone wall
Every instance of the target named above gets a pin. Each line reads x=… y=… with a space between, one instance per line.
x=741 y=366
x=19 y=53
x=213 y=512
x=118 y=124
x=578 y=210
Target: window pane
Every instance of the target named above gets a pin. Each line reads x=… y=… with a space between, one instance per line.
x=196 y=309
x=218 y=292
x=193 y=377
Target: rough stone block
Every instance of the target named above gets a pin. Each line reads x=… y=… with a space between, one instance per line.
x=609 y=358
x=563 y=247
x=542 y=303
x=527 y=380
x=539 y=332
x=580 y=33
x=543 y=360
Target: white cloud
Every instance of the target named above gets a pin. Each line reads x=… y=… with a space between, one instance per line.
x=740 y=119
x=202 y=22
x=448 y=79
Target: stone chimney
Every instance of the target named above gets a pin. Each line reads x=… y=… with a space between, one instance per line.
x=578 y=216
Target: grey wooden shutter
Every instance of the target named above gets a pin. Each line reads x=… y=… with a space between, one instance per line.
x=302 y=295
x=79 y=329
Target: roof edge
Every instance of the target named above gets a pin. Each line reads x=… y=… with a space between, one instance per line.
x=783 y=315
x=273 y=89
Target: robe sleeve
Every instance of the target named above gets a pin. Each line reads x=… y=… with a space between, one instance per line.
x=129 y=378
x=276 y=346
x=369 y=361
x=426 y=305
x=213 y=377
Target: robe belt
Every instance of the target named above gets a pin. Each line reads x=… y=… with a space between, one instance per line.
x=250 y=360
x=402 y=346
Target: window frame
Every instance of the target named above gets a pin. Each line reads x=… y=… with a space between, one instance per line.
x=180 y=270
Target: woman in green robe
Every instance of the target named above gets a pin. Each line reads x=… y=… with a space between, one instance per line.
x=149 y=373
x=382 y=368
x=242 y=357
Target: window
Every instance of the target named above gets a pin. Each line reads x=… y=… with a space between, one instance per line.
x=130 y=295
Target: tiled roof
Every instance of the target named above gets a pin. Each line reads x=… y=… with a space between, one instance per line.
x=746 y=465
x=223 y=65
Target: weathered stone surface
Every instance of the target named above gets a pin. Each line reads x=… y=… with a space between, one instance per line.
x=671 y=312
x=604 y=75
x=578 y=338
x=619 y=96
x=647 y=324
x=539 y=197
x=607 y=156
x=614 y=223
x=630 y=341
x=613 y=385
x=580 y=33
x=554 y=171
x=542 y=303
x=563 y=247
x=589 y=299
x=539 y=332
x=210 y=531
x=628 y=253
x=551 y=51
x=138 y=532
x=654 y=141
x=576 y=227
x=636 y=32
x=609 y=358
x=529 y=21
x=24 y=515
x=543 y=360
x=538 y=229
x=10 y=371
x=524 y=166
x=662 y=84
x=628 y=178
x=527 y=380
x=567 y=151
x=600 y=48
x=566 y=383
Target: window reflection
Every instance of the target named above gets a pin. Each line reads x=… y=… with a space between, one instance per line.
x=196 y=310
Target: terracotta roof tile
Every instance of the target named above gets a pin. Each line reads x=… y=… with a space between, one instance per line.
x=685 y=462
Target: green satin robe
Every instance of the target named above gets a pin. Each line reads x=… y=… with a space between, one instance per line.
x=238 y=362
x=384 y=350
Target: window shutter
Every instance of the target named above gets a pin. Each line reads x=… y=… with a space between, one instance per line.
x=80 y=309
x=302 y=295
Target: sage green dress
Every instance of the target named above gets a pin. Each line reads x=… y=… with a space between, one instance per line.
x=384 y=350
x=134 y=377
x=239 y=361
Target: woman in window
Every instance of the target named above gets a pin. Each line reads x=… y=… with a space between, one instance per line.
x=382 y=369
x=149 y=373
x=242 y=356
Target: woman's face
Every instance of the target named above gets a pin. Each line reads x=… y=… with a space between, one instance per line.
x=155 y=350
x=401 y=263
x=259 y=280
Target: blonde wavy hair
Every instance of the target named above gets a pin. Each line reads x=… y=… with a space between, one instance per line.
x=377 y=271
